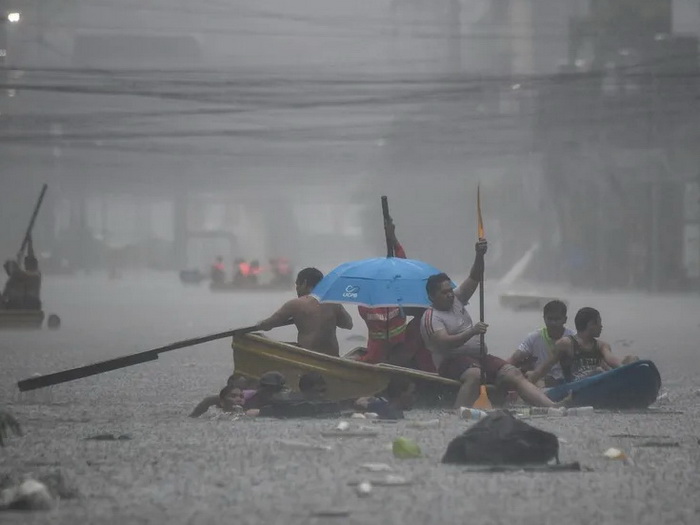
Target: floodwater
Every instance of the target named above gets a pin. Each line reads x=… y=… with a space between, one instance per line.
x=179 y=470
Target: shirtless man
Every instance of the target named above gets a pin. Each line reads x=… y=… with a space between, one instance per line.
x=582 y=355
x=316 y=322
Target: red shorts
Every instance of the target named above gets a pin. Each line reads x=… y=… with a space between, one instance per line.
x=377 y=351
x=454 y=367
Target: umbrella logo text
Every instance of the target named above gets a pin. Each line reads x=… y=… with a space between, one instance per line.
x=351 y=291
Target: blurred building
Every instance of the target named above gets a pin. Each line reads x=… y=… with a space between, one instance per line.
x=618 y=131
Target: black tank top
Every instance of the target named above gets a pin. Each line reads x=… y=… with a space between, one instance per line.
x=584 y=361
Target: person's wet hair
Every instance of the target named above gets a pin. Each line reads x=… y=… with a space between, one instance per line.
x=227 y=390
x=584 y=316
x=555 y=307
x=238 y=381
x=310 y=380
x=272 y=380
x=310 y=277
x=397 y=386
x=434 y=283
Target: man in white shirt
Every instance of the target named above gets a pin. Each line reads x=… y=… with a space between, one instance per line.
x=539 y=345
x=452 y=338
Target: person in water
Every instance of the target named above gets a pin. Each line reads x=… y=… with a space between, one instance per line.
x=538 y=346
x=582 y=354
x=400 y=395
x=312 y=386
x=231 y=399
x=316 y=322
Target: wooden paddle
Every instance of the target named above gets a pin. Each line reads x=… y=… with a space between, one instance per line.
x=28 y=233
x=387 y=218
x=122 y=362
x=483 y=402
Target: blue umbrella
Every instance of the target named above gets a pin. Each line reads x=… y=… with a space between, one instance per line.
x=381 y=281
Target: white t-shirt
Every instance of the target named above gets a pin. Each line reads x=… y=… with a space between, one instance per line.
x=454 y=321
x=539 y=345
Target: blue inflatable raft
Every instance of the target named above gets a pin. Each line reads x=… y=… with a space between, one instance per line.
x=631 y=386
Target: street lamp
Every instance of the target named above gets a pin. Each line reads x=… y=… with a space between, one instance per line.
x=13 y=17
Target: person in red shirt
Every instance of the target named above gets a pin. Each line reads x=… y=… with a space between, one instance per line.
x=386 y=325
x=218 y=271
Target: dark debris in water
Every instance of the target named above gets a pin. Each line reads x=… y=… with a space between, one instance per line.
x=109 y=437
x=660 y=444
x=331 y=513
x=645 y=436
x=563 y=467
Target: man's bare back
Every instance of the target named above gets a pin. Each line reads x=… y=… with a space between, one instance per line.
x=316 y=323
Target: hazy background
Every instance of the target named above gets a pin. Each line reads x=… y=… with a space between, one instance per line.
x=274 y=127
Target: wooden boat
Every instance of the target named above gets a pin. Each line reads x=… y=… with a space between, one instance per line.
x=191 y=276
x=635 y=385
x=524 y=301
x=254 y=355
x=21 y=319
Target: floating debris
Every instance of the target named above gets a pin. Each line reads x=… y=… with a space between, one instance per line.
x=28 y=495
x=638 y=436
x=300 y=445
x=344 y=433
x=343 y=425
x=376 y=467
x=331 y=513
x=364 y=489
x=614 y=453
x=563 y=467
x=660 y=444
x=431 y=423
x=109 y=437
x=405 y=448
x=390 y=480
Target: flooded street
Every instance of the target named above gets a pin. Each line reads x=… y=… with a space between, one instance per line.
x=179 y=470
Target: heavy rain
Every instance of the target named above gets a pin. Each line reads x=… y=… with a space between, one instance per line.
x=167 y=168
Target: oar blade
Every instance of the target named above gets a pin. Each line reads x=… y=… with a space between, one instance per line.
x=480 y=220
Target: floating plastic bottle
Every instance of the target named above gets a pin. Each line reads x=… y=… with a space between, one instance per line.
x=579 y=411
x=471 y=414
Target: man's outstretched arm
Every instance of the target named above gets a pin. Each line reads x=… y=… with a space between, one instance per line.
x=279 y=318
x=465 y=290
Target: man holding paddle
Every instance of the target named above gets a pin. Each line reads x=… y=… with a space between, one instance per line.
x=452 y=338
x=23 y=286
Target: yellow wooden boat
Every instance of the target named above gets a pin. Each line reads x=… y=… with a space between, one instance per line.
x=254 y=354
x=21 y=319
